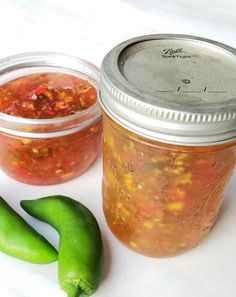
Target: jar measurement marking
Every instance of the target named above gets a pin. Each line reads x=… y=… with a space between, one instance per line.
x=179 y=90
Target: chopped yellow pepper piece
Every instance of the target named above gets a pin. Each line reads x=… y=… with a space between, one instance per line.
x=128 y=181
x=122 y=209
x=148 y=225
x=133 y=245
x=25 y=141
x=160 y=159
x=175 y=206
x=185 y=179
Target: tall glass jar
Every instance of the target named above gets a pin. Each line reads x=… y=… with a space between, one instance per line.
x=169 y=106
x=45 y=151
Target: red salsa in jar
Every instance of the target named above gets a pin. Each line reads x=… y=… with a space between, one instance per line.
x=160 y=199
x=67 y=138
x=169 y=135
x=46 y=96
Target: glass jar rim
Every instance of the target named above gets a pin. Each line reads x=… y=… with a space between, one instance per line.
x=35 y=62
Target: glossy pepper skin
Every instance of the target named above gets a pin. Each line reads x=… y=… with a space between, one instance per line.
x=20 y=240
x=80 y=257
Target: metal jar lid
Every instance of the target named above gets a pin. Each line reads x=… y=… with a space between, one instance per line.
x=172 y=88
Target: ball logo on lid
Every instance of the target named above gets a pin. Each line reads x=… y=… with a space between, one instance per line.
x=171 y=51
x=175 y=53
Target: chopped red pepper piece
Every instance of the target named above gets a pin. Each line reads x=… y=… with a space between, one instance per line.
x=176 y=193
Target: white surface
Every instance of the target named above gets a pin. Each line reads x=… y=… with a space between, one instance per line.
x=89 y=29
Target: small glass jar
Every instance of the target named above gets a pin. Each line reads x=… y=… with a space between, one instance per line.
x=169 y=140
x=52 y=150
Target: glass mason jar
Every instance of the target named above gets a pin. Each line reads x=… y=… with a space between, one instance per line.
x=169 y=130
x=52 y=150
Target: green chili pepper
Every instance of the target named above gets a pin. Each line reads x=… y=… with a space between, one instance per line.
x=80 y=257
x=20 y=240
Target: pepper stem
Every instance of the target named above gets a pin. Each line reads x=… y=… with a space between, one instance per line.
x=74 y=291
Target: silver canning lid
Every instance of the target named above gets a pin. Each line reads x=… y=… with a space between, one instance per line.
x=176 y=89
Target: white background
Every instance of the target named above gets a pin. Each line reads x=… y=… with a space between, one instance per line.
x=88 y=29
